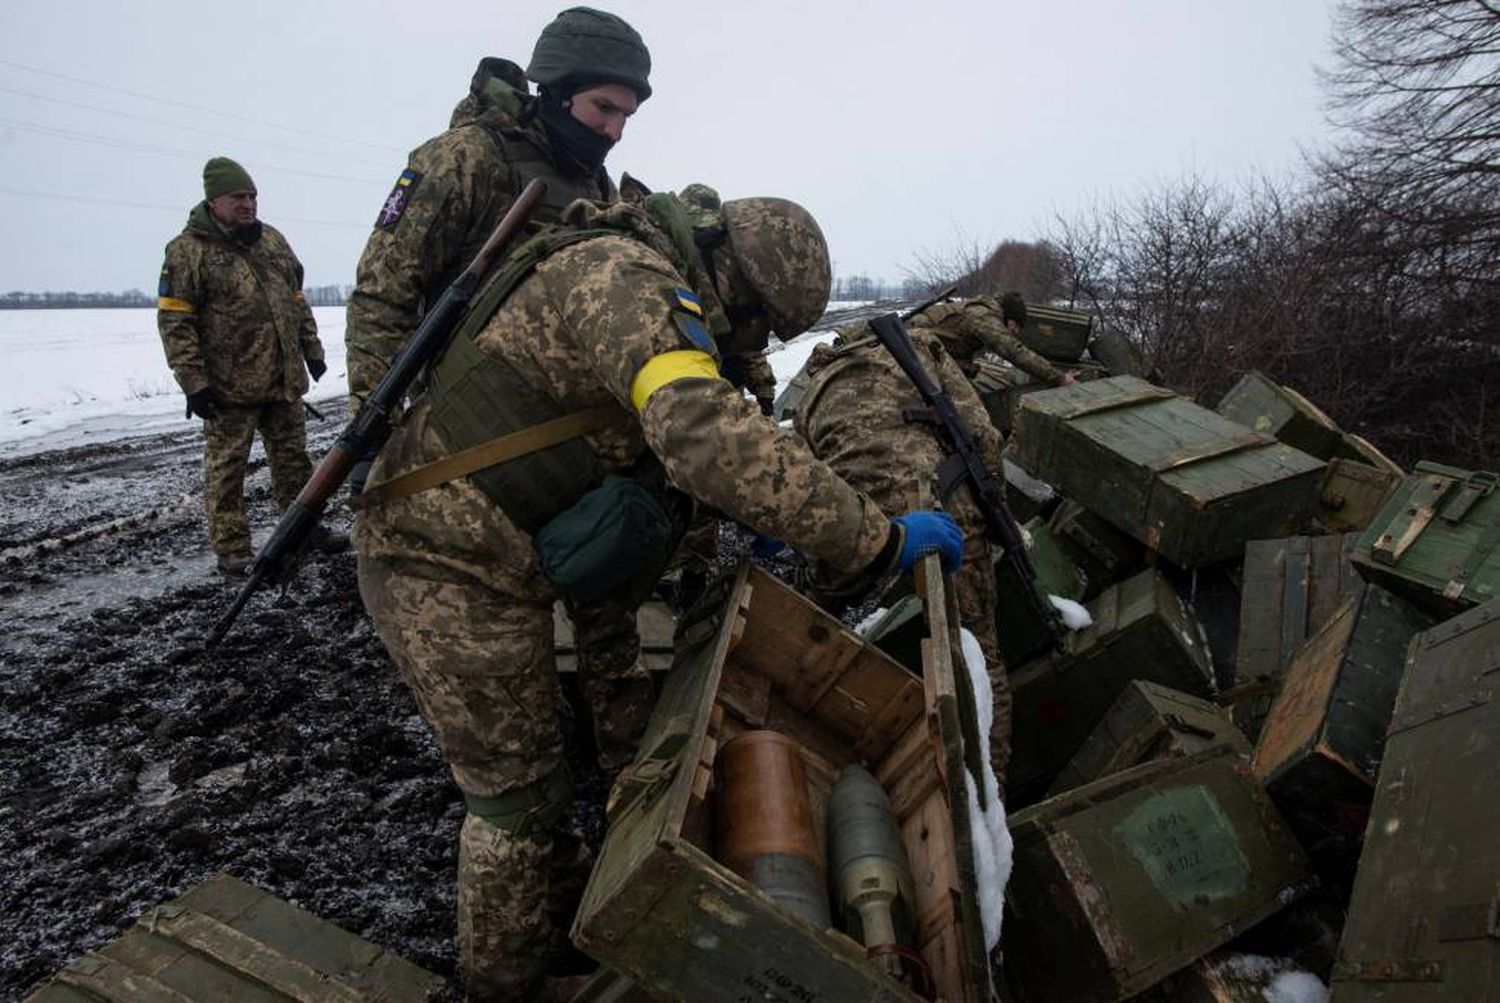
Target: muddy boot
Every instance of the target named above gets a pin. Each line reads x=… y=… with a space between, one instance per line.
x=234 y=565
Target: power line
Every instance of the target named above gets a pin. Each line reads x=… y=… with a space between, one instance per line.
x=175 y=209
x=217 y=112
x=189 y=128
x=162 y=151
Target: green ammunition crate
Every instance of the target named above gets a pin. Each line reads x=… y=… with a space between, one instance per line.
x=1057 y=332
x=1259 y=402
x=1141 y=630
x=1183 y=480
x=1361 y=450
x=1320 y=748
x=1122 y=882
x=1435 y=541
x=663 y=912
x=1289 y=589
x=1148 y=722
x=1001 y=386
x=1118 y=354
x=226 y=940
x=1021 y=629
x=1353 y=495
x=1105 y=555
x=1424 y=920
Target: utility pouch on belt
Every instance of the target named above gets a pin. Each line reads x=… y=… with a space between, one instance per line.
x=614 y=541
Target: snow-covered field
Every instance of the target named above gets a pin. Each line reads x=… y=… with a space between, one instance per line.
x=77 y=377
x=74 y=377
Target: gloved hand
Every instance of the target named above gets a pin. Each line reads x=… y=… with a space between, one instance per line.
x=767 y=406
x=925 y=532
x=764 y=547
x=203 y=403
x=317 y=367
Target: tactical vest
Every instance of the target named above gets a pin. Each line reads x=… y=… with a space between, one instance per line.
x=528 y=160
x=475 y=398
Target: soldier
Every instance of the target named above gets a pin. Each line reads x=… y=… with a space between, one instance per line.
x=611 y=330
x=981 y=324
x=237 y=331
x=853 y=418
x=591 y=69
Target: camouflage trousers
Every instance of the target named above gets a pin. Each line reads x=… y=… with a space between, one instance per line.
x=481 y=666
x=227 y=437
x=974 y=588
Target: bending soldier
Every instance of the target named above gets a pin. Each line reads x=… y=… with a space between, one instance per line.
x=853 y=417
x=237 y=333
x=611 y=326
x=982 y=324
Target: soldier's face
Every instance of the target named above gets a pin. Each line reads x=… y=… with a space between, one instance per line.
x=234 y=208
x=604 y=108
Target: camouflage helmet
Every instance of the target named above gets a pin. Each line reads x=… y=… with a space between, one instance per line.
x=782 y=254
x=583 y=46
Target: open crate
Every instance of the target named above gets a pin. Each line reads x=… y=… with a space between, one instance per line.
x=662 y=910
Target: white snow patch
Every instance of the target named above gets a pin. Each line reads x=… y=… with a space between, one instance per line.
x=73 y=377
x=868 y=623
x=988 y=830
x=1075 y=615
x=1296 y=987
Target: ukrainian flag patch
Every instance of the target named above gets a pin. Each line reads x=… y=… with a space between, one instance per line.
x=397 y=201
x=684 y=299
x=164 y=285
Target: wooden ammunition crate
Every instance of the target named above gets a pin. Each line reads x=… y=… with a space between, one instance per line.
x=1141 y=630
x=1353 y=495
x=1183 y=480
x=1001 y=386
x=1259 y=402
x=1227 y=977
x=1116 y=352
x=1424 y=920
x=226 y=940
x=660 y=909
x=1435 y=541
x=1321 y=744
x=1106 y=555
x=1057 y=332
x=1021 y=628
x=1148 y=722
x=1361 y=450
x=1289 y=589
x=1120 y=883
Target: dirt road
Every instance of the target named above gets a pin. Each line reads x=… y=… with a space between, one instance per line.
x=133 y=765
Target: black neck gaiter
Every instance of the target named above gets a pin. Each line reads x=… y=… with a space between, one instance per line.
x=572 y=137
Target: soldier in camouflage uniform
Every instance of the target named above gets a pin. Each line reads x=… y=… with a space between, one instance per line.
x=592 y=71
x=853 y=418
x=616 y=324
x=237 y=333
x=984 y=324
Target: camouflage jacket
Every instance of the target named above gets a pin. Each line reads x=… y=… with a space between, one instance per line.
x=581 y=330
x=231 y=313
x=973 y=326
x=444 y=205
x=852 y=416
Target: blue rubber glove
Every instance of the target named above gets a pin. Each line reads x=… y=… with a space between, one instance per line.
x=764 y=547
x=927 y=532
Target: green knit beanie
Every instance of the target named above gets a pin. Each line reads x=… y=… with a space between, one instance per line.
x=222 y=176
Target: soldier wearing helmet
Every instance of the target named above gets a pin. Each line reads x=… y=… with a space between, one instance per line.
x=612 y=326
x=592 y=71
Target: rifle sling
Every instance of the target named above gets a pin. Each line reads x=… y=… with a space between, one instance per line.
x=523 y=442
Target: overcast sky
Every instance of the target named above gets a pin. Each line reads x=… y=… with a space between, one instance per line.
x=907 y=126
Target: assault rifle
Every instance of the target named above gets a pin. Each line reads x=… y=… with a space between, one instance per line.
x=964 y=464
x=370 y=427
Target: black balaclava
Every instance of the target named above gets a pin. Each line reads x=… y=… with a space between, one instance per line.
x=574 y=138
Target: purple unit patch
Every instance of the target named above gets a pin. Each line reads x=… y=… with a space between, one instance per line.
x=397 y=201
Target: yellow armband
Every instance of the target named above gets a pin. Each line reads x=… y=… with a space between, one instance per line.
x=172 y=305
x=669 y=367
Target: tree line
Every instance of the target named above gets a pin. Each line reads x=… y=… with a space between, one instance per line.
x=1371 y=285
x=329 y=295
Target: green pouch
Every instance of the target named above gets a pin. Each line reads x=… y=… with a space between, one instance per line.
x=615 y=535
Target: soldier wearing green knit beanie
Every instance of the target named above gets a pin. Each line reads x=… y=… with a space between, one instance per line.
x=242 y=343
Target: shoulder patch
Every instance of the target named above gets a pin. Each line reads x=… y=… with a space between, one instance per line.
x=687 y=314
x=397 y=201
x=683 y=298
x=164 y=284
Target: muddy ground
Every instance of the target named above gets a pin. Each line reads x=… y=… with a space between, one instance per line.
x=134 y=765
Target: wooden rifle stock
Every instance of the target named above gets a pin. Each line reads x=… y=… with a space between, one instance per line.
x=367 y=431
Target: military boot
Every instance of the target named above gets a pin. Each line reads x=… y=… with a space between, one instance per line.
x=234 y=565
